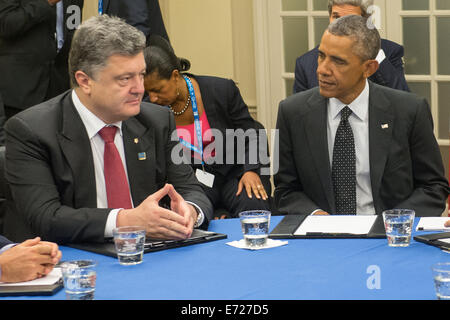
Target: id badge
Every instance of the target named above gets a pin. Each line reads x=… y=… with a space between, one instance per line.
x=205 y=177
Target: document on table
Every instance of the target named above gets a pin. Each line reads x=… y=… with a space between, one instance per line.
x=53 y=277
x=336 y=224
x=432 y=224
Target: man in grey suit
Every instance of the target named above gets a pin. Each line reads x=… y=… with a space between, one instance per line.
x=351 y=146
x=59 y=156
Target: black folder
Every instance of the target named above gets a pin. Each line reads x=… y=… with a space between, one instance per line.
x=32 y=290
x=151 y=245
x=434 y=239
x=290 y=223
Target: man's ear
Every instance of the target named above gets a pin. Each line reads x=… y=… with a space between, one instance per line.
x=84 y=81
x=370 y=67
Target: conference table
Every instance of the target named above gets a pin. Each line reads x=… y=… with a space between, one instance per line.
x=304 y=269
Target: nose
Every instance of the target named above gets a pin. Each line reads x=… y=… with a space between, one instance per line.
x=153 y=97
x=138 y=86
x=323 y=67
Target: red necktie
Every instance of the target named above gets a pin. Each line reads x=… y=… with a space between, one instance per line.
x=117 y=189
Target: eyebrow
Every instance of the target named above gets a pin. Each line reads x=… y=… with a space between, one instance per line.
x=336 y=58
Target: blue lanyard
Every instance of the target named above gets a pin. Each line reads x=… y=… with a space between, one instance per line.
x=100 y=7
x=198 y=127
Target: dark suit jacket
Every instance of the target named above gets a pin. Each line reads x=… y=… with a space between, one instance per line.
x=4 y=242
x=29 y=54
x=145 y=15
x=2 y=122
x=389 y=74
x=50 y=171
x=406 y=169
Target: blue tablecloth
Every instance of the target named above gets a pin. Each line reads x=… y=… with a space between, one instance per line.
x=302 y=269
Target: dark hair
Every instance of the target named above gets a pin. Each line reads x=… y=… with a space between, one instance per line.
x=160 y=57
x=366 y=38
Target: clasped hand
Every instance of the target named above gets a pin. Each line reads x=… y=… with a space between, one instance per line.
x=161 y=223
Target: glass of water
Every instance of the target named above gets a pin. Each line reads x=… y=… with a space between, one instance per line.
x=129 y=242
x=398 y=224
x=79 y=279
x=255 y=227
x=441 y=276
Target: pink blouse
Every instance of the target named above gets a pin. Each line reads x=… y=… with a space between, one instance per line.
x=187 y=133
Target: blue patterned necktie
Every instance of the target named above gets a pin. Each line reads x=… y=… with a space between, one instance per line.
x=343 y=171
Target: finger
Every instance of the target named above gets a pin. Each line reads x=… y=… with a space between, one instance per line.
x=31 y=242
x=171 y=230
x=248 y=188
x=256 y=191
x=240 y=186
x=158 y=195
x=173 y=194
x=262 y=191
x=447 y=224
x=169 y=215
x=224 y=216
x=53 y=246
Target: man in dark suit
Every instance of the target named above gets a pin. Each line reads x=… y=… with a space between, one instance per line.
x=28 y=260
x=391 y=158
x=390 y=57
x=33 y=59
x=145 y=15
x=69 y=181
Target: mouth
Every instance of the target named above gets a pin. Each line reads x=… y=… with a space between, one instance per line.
x=134 y=101
x=326 y=84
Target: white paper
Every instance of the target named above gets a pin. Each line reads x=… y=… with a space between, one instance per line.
x=336 y=224
x=49 y=279
x=269 y=244
x=432 y=224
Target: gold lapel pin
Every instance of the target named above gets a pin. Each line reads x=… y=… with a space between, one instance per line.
x=384 y=126
x=136 y=140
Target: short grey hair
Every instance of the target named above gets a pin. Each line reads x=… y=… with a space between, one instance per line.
x=97 y=39
x=367 y=41
x=363 y=4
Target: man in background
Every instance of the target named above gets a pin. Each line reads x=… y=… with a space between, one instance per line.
x=390 y=57
x=35 y=37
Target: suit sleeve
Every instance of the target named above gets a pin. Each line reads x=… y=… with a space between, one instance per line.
x=390 y=72
x=289 y=195
x=241 y=119
x=17 y=17
x=301 y=82
x=36 y=196
x=430 y=186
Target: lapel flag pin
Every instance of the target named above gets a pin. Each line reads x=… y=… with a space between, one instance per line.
x=136 y=140
x=384 y=126
x=142 y=156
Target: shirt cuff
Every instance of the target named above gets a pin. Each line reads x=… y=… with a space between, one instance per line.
x=111 y=223
x=201 y=216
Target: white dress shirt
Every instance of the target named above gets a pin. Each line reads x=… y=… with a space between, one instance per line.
x=359 y=121
x=93 y=125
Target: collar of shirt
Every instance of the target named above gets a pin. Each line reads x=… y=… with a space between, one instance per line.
x=359 y=106
x=92 y=123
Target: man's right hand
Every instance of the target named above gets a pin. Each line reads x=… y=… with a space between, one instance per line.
x=159 y=223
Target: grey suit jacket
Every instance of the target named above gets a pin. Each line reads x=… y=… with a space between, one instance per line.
x=406 y=169
x=50 y=171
